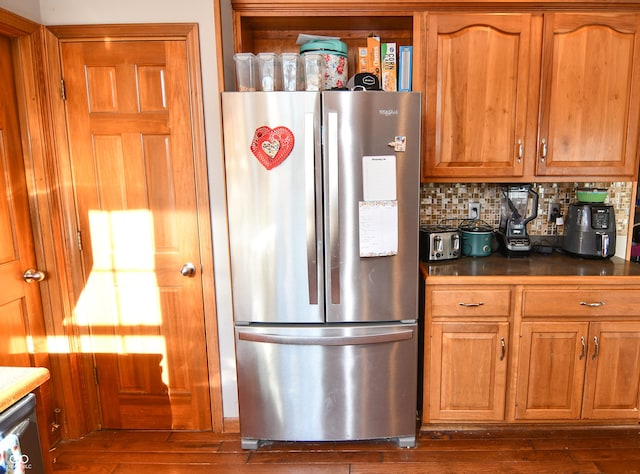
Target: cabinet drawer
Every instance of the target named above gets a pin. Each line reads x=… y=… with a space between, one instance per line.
x=583 y=302
x=489 y=301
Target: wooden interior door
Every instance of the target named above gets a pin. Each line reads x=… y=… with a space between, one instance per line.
x=22 y=342
x=132 y=159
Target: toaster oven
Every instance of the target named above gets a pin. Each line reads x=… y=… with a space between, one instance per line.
x=439 y=242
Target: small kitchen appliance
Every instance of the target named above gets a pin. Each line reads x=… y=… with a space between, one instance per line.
x=477 y=238
x=590 y=230
x=439 y=242
x=518 y=207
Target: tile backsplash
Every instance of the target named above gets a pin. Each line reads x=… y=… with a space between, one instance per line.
x=449 y=202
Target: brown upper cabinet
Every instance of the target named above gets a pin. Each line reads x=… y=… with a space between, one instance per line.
x=519 y=96
x=590 y=95
x=479 y=69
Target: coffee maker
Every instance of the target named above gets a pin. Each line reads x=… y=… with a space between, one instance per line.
x=518 y=207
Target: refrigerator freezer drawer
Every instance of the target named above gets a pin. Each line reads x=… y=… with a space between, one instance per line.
x=316 y=383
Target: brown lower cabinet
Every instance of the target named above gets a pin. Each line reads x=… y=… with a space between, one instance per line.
x=578 y=370
x=468 y=340
x=531 y=353
x=468 y=370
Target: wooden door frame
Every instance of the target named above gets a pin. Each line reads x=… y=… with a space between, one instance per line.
x=188 y=33
x=46 y=159
x=26 y=37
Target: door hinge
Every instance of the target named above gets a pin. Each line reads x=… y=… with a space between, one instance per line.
x=79 y=240
x=95 y=375
x=63 y=90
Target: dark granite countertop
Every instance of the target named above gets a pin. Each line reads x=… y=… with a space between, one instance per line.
x=552 y=269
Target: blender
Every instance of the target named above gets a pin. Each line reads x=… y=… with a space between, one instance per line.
x=518 y=207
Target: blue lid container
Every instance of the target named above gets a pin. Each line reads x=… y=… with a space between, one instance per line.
x=331 y=46
x=334 y=53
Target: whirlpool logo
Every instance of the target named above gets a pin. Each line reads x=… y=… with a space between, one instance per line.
x=388 y=112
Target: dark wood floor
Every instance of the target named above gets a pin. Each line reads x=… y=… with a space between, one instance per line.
x=602 y=450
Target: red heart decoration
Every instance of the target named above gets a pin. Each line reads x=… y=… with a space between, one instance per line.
x=272 y=146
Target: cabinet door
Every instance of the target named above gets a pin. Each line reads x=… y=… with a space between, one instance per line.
x=551 y=370
x=590 y=95
x=468 y=371
x=613 y=371
x=477 y=81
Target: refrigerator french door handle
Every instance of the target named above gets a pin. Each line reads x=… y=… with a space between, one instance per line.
x=310 y=203
x=334 y=215
x=328 y=340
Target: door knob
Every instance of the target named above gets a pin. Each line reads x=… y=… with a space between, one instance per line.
x=32 y=275
x=188 y=270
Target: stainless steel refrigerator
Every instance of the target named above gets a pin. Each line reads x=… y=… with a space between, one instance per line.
x=323 y=209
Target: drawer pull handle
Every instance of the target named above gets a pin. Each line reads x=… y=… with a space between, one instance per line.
x=584 y=348
x=592 y=305
x=503 y=348
x=597 y=348
x=471 y=305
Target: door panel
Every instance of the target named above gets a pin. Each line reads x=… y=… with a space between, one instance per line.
x=590 y=97
x=612 y=382
x=551 y=370
x=20 y=308
x=275 y=215
x=372 y=288
x=478 y=67
x=468 y=371
x=356 y=381
x=130 y=136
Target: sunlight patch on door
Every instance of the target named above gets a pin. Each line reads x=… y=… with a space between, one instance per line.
x=119 y=311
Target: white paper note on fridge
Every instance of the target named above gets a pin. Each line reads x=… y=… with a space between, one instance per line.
x=378 y=228
x=379 y=178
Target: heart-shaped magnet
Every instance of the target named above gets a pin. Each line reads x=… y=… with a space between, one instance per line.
x=272 y=146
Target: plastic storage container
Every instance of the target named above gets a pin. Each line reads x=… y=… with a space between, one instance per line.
x=246 y=72
x=292 y=72
x=313 y=71
x=269 y=72
x=334 y=54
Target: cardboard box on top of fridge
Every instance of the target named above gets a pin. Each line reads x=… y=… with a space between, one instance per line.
x=389 y=67
x=363 y=59
x=373 y=47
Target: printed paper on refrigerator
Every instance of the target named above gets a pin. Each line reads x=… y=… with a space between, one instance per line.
x=378 y=228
